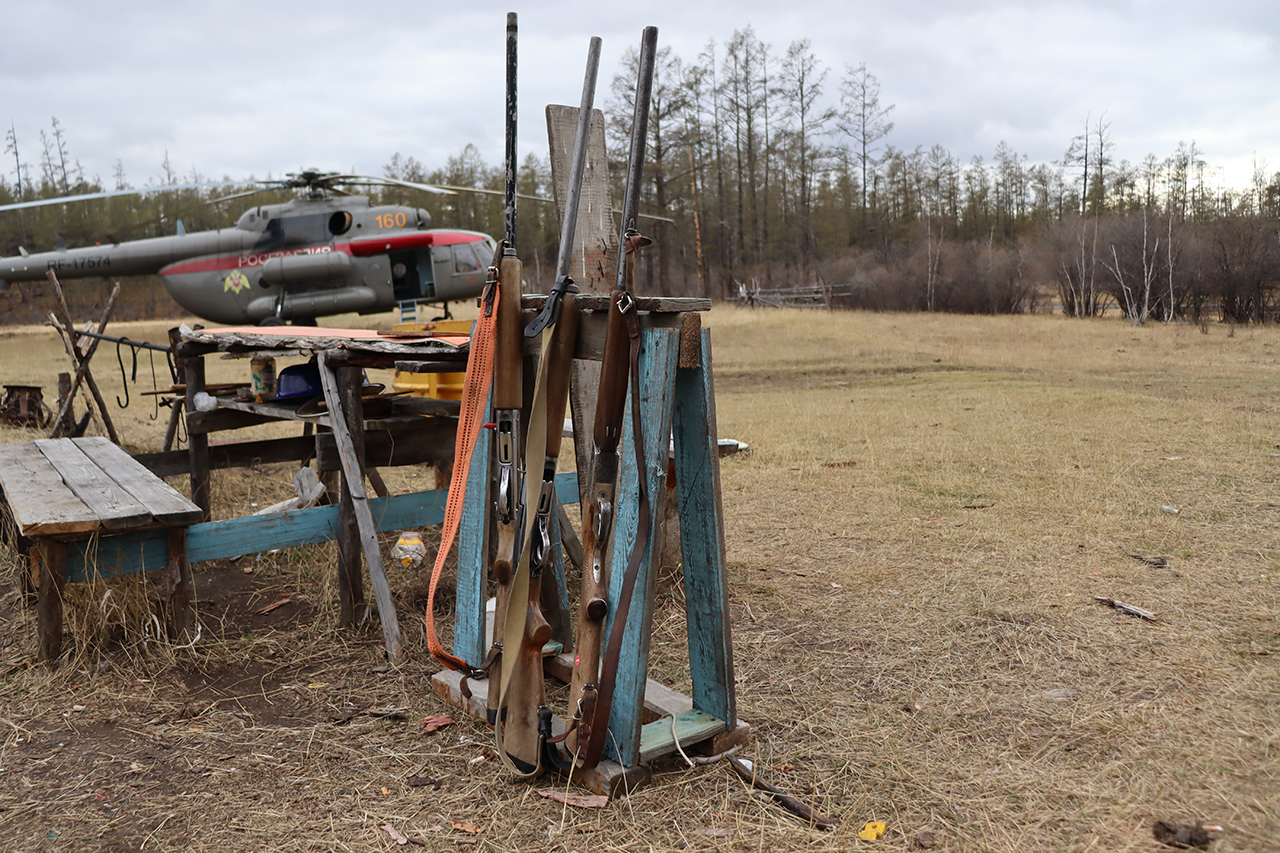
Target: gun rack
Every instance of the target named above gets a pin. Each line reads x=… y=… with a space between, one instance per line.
x=679 y=425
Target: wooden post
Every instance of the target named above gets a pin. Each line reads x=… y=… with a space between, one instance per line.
x=198 y=443
x=182 y=589
x=353 y=477
x=82 y=362
x=469 y=641
x=51 y=563
x=658 y=355
x=706 y=585
x=64 y=424
x=350 y=578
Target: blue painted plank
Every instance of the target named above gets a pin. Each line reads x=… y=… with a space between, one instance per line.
x=473 y=554
x=109 y=556
x=697 y=463
x=659 y=354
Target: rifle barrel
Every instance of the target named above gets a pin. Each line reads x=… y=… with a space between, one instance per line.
x=639 y=134
x=509 y=207
x=579 y=165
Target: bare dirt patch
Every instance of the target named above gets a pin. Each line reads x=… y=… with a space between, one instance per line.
x=916 y=537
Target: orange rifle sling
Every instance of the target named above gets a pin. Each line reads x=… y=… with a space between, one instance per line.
x=474 y=396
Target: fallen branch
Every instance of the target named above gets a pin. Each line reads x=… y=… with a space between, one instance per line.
x=1127 y=608
x=788 y=802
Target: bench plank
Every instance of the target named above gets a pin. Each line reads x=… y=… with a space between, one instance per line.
x=160 y=499
x=40 y=501
x=113 y=506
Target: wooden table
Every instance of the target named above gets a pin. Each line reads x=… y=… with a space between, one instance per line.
x=352 y=444
x=66 y=490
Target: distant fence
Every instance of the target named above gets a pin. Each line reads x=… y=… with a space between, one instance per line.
x=818 y=295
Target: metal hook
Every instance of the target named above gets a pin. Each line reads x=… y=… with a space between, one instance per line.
x=124 y=380
x=154 y=385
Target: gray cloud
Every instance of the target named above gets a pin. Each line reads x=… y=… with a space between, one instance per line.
x=239 y=88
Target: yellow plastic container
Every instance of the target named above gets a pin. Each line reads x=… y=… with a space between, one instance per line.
x=441 y=386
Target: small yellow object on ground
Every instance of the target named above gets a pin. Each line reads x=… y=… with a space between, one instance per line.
x=873 y=830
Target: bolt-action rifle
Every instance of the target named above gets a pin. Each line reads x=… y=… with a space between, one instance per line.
x=591 y=689
x=508 y=389
x=524 y=721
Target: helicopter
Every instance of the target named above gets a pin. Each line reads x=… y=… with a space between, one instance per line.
x=324 y=252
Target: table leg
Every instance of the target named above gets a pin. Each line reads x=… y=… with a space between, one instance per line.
x=181 y=617
x=51 y=565
x=198 y=444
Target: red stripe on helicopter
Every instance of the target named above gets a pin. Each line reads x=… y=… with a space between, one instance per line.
x=417 y=240
x=360 y=248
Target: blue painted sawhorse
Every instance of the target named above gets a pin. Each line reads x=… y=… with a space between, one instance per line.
x=679 y=426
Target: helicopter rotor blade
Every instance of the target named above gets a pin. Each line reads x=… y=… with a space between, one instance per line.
x=68 y=199
x=540 y=198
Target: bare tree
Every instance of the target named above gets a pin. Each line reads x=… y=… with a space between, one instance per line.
x=864 y=120
x=802 y=80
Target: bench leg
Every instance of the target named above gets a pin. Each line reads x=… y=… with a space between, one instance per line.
x=50 y=564
x=182 y=596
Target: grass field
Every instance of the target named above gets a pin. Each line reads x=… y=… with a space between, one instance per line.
x=929 y=507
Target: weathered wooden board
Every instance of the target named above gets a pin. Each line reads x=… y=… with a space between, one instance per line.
x=697 y=464
x=469 y=642
x=595 y=237
x=40 y=503
x=240 y=454
x=110 y=502
x=659 y=353
x=353 y=483
x=656 y=738
x=160 y=499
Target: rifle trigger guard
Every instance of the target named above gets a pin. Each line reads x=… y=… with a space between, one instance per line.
x=626 y=302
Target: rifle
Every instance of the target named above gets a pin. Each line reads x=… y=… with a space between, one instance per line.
x=508 y=389
x=591 y=689
x=523 y=729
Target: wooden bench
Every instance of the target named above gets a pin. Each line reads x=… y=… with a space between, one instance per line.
x=62 y=494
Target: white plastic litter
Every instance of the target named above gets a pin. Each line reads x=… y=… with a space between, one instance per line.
x=409 y=550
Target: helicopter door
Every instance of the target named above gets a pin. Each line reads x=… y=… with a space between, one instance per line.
x=412 y=275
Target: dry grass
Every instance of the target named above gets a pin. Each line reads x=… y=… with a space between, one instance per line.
x=929 y=507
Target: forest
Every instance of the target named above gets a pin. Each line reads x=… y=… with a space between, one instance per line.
x=785 y=186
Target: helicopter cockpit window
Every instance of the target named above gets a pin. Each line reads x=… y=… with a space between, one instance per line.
x=287 y=231
x=464 y=258
x=340 y=223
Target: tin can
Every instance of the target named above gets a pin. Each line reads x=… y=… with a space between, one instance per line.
x=264 y=378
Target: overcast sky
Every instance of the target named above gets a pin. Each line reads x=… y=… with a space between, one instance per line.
x=252 y=88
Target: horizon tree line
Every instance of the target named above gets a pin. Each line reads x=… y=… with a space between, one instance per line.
x=777 y=174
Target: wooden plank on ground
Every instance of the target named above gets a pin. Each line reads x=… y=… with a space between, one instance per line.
x=112 y=503
x=160 y=499
x=41 y=504
x=692 y=726
x=607 y=777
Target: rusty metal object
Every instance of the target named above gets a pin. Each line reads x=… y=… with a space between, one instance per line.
x=24 y=405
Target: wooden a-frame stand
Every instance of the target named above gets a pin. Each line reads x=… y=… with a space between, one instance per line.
x=678 y=397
